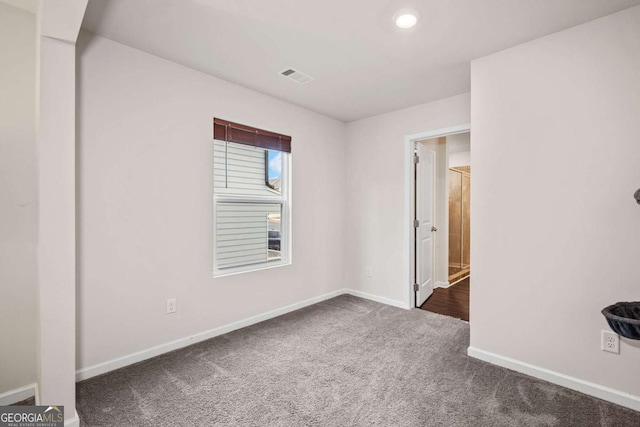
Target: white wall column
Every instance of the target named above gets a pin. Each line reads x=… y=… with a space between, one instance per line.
x=59 y=26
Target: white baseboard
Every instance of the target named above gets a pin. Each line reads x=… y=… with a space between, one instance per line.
x=443 y=285
x=72 y=422
x=16 y=395
x=596 y=390
x=376 y=298
x=121 y=362
x=130 y=359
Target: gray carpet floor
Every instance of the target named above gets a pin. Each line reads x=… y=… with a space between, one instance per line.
x=342 y=362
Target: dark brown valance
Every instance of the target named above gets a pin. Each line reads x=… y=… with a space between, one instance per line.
x=247 y=135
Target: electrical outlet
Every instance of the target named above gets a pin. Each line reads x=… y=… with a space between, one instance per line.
x=171 y=305
x=610 y=342
x=369 y=272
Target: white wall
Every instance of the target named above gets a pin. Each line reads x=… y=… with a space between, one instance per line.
x=459 y=149
x=460 y=159
x=18 y=199
x=376 y=190
x=556 y=238
x=145 y=202
x=460 y=142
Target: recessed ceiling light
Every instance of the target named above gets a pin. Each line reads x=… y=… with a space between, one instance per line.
x=406 y=20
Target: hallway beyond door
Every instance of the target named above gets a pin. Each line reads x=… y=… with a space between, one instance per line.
x=452 y=301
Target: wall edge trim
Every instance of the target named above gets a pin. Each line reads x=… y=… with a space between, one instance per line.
x=17 y=394
x=376 y=298
x=73 y=421
x=121 y=362
x=592 y=389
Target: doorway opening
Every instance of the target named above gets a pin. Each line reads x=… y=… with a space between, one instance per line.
x=459 y=224
x=441 y=225
x=459 y=163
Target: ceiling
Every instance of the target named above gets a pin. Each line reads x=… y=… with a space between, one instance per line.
x=361 y=63
x=28 y=5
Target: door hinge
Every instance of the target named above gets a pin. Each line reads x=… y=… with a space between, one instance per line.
x=416 y=158
x=416 y=223
x=416 y=287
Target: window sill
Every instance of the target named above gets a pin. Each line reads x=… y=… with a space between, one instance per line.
x=247 y=269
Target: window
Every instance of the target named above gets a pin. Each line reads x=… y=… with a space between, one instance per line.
x=251 y=208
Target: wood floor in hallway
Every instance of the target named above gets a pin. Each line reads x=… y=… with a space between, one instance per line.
x=452 y=301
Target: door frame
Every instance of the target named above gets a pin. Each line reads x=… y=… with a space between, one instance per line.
x=410 y=202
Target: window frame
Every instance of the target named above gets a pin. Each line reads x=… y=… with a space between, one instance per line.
x=284 y=199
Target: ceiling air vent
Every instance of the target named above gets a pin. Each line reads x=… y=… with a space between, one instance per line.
x=297 y=76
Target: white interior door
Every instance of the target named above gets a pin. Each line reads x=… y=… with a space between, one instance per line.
x=425 y=213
